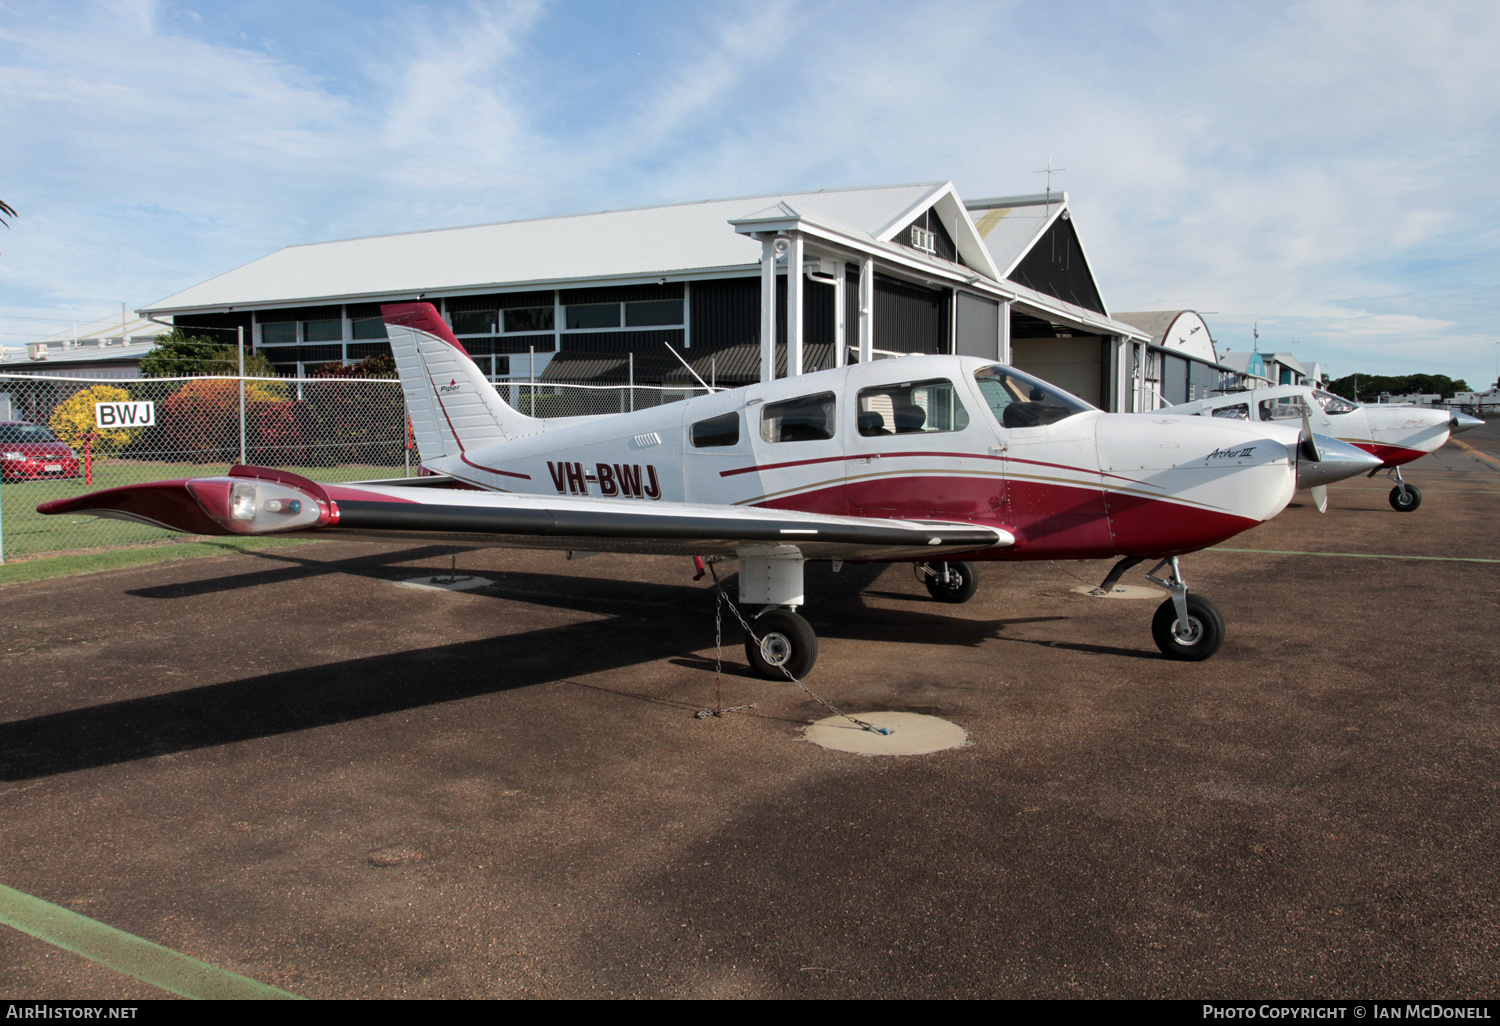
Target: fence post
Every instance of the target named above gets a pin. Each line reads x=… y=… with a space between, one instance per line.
x=632 y=384
x=2 y=518
x=241 y=332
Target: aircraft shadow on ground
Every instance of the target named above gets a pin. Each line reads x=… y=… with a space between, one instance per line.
x=293 y=700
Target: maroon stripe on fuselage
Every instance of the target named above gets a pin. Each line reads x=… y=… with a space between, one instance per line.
x=1049 y=521
x=935 y=455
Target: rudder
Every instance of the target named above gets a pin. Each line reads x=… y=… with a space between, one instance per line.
x=453 y=407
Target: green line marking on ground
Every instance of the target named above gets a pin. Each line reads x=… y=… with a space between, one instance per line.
x=1359 y=555
x=129 y=954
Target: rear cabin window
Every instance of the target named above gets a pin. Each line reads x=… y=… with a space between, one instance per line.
x=1286 y=408
x=913 y=407
x=807 y=418
x=715 y=431
x=1239 y=411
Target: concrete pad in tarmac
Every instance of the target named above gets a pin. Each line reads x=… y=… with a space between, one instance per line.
x=284 y=765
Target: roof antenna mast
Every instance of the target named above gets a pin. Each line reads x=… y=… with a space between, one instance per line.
x=1049 y=171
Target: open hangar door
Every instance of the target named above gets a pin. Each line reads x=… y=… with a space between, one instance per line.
x=1075 y=364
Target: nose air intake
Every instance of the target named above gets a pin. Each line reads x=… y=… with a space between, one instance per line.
x=1335 y=461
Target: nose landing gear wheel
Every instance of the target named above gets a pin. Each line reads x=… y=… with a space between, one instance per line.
x=962 y=582
x=1405 y=503
x=780 y=639
x=1203 y=637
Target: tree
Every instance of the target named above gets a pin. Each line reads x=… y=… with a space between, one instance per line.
x=1372 y=385
x=180 y=355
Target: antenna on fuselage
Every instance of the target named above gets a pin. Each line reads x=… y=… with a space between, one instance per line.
x=690 y=370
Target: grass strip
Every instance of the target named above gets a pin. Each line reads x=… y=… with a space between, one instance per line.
x=125 y=952
x=40 y=568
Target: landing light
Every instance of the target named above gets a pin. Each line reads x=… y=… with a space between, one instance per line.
x=260 y=506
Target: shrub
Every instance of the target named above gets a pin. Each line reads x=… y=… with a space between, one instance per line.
x=74 y=418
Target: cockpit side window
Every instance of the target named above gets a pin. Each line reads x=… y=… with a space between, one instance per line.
x=807 y=418
x=1239 y=411
x=717 y=431
x=1020 y=401
x=1288 y=407
x=912 y=407
x=1333 y=404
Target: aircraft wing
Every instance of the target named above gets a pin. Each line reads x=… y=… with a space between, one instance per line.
x=254 y=500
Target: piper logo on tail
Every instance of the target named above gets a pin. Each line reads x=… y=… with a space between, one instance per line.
x=629 y=480
x=450 y=387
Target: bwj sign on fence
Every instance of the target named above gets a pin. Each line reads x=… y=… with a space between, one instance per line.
x=123 y=415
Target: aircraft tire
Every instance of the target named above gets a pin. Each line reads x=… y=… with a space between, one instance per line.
x=963 y=582
x=1208 y=630
x=1410 y=501
x=781 y=640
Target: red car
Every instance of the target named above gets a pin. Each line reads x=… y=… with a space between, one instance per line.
x=29 y=452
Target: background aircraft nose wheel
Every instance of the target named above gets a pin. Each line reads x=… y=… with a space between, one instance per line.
x=962 y=582
x=1203 y=637
x=1405 y=503
x=781 y=639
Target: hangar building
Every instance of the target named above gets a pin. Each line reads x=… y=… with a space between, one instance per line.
x=598 y=297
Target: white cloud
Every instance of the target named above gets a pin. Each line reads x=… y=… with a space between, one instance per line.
x=1303 y=163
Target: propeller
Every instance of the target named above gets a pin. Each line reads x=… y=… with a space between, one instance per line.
x=1320 y=497
x=1307 y=445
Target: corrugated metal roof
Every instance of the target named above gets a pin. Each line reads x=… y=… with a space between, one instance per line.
x=1154 y=322
x=1010 y=231
x=619 y=243
x=18 y=361
x=110 y=327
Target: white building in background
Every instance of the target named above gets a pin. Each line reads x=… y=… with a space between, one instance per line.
x=743 y=288
x=110 y=348
x=1181 y=362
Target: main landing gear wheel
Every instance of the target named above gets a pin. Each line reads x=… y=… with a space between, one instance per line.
x=780 y=640
x=1204 y=634
x=962 y=582
x=1407 y=500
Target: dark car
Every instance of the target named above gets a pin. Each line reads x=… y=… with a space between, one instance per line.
x=29 y=452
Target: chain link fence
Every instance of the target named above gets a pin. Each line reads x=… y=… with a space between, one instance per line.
x=61 y=437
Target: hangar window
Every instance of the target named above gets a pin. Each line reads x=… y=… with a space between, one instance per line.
x=322 y=331
x=474 y=322
x=911 y=407
x=659 y=311
x=808 y=418
x=370 y=327
x=280 y=334
x=594 y=315
x=716 y=431
x=531 y=318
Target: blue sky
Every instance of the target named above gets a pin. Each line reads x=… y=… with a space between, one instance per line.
x=1324 y=170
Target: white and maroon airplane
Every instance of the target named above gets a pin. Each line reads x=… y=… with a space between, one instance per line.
x=917 y=459
x=1397 y=434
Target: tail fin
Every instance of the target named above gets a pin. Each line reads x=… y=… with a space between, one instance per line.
x=453 y=408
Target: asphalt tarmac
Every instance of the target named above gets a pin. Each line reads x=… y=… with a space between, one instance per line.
x=285 y=766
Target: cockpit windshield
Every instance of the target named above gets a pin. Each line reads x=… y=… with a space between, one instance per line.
x=1021 y=401
x=1333 y=404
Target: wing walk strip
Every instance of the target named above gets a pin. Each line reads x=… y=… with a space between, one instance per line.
x=124 y=952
